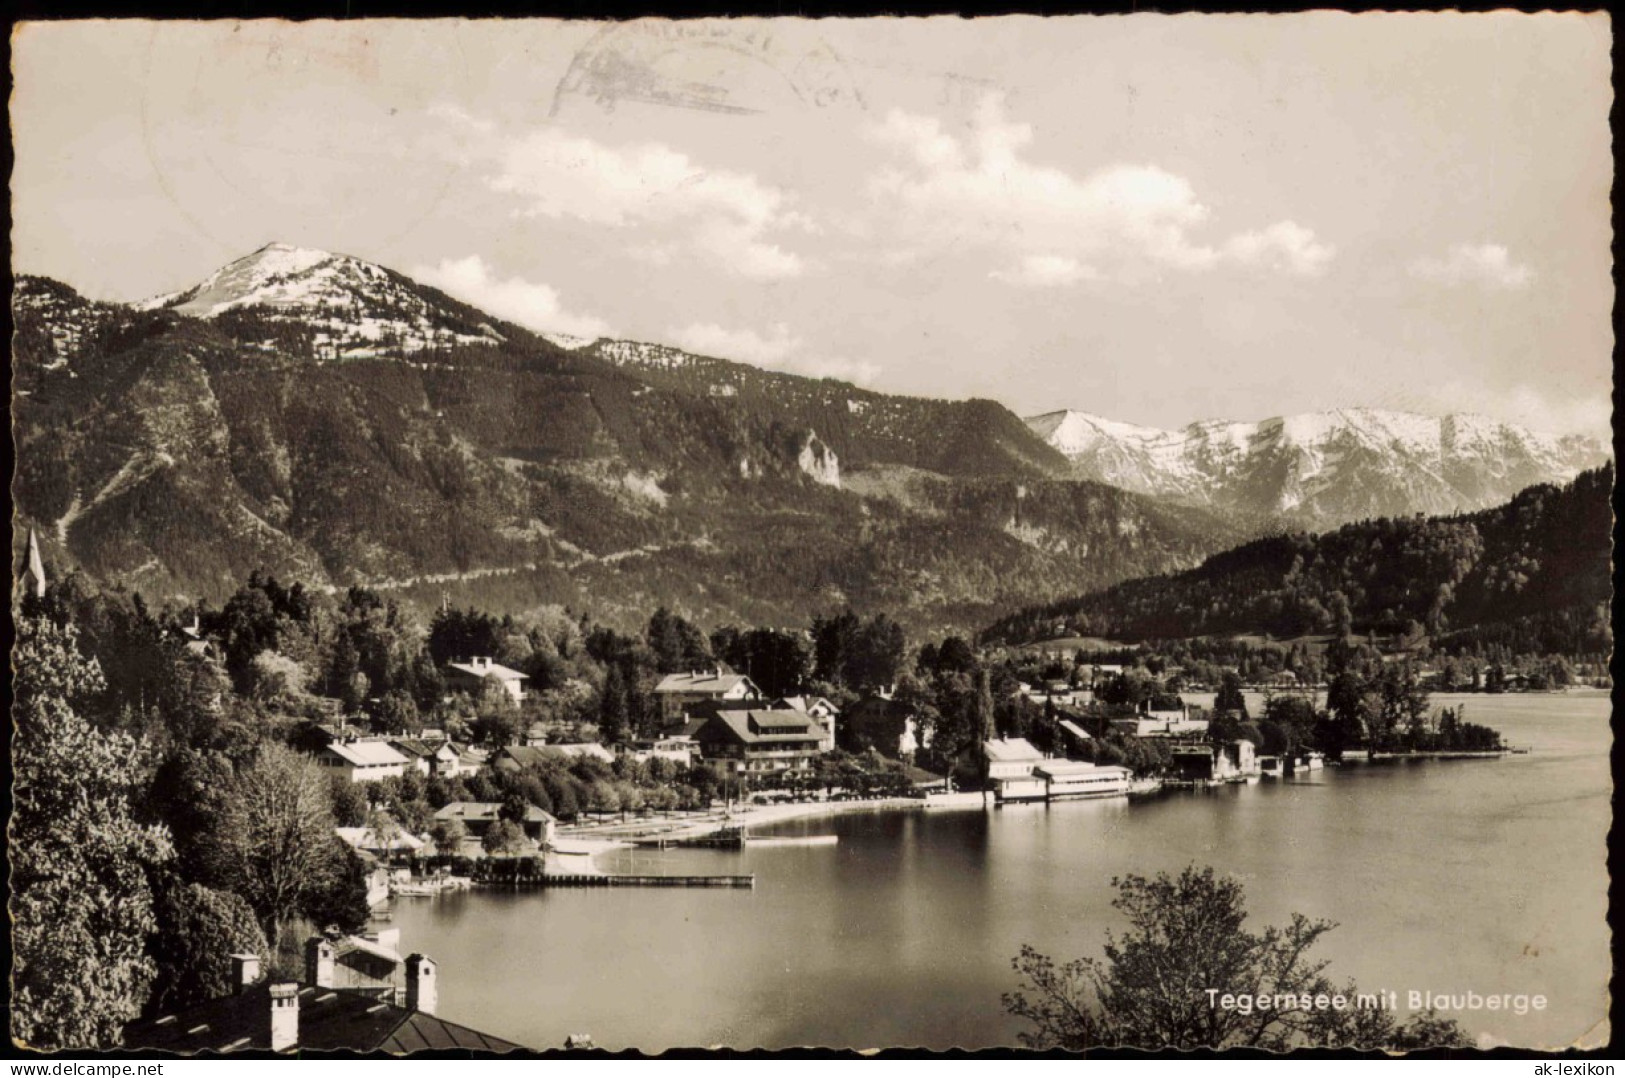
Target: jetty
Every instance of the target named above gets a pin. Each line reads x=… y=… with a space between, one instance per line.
x=606 y=879
x=728 y=838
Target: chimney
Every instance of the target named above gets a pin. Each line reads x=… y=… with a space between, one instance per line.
x=319 y=961
x=245 y=970
x=421 y=991
x=284 y=1016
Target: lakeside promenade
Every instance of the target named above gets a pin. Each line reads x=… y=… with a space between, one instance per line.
x=693 y=825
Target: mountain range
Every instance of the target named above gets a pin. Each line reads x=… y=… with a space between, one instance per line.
x=335 y=421
x=1322 y=468
x=338 y=423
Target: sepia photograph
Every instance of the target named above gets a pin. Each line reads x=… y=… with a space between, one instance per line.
x=1068 y=533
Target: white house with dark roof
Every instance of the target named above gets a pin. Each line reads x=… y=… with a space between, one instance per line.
x=759 y=741
x=678 y=692
x=429 y=757
x=362 y=761
x=477 y=817
x=1011 y=757
x=817 y=706
x=1011 y=762
x=381 y=842
x=473 y=674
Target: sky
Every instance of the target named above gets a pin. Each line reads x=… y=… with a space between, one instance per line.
x=1158 y=219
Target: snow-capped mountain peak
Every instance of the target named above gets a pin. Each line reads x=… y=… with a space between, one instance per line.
x=276 y=274
x=349 y=306
x=1325 y=467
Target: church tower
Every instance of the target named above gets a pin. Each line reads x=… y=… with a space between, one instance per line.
x=30 y=579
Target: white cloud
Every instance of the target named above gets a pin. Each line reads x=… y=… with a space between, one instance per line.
x=1487 y=265
x=710 y=339
x=977 y=188
x=534 y=306
x=726 y=216
x=1046 y=271
x=1546 y=409
x=779 y=349
x=1285 y=245
x=847 y=370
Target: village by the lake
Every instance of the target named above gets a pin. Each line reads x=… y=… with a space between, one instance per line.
x=462 y=775
x=553 y=536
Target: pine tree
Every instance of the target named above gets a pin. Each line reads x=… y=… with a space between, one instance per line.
x=613 y=717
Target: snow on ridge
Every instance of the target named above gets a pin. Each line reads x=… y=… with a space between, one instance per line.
x=267 y=275
x=357 y=305
x=646 y=355
x=570 y=342
x=1311 y=461
x=1076 y=432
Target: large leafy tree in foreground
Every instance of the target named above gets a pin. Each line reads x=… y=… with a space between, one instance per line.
x=81 y=904
x=274 y=844
x=1187 y=936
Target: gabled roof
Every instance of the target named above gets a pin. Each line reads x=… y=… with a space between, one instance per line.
x=756 y=726
x=688 y=729
x=519 y=756
x=413 y=746
x=482 y=670
x=805 y=703
x=528 y=755
x=1075 y=730
x=1056 y=769
x=487 y=810
x=377 y=949
x=1011 y=750
x=365 y=753
x=330 y=1019
x=707 y=681
x=365 y=838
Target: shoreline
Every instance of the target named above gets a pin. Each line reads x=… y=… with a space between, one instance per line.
x=752 y=816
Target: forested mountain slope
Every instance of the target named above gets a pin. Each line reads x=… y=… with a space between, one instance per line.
x=334 y=422
x=1534 y=572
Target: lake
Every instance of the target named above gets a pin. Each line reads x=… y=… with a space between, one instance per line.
x=1444 y=876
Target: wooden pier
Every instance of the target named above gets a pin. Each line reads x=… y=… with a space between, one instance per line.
x=593 y=879
x=728 y=838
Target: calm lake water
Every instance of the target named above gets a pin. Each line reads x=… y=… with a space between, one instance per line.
x=1481 y=875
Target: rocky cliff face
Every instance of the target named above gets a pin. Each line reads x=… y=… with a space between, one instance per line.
x=819 y=463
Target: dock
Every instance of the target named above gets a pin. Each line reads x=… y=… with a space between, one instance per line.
x=618 y=880
x=728 y=838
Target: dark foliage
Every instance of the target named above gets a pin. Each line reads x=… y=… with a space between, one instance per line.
x=1534 y=571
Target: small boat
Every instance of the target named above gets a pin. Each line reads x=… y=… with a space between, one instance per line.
x=415 y=890
x=795 y=840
